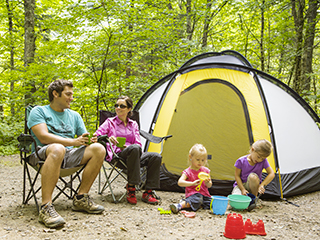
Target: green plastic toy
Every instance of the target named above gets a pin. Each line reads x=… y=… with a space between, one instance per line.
x=164 y=211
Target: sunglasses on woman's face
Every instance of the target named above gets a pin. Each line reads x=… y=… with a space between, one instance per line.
x=121 y=106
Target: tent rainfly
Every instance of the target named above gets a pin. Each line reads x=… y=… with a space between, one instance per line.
x=219 y=100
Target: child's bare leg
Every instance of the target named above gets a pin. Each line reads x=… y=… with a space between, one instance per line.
x=254 y=182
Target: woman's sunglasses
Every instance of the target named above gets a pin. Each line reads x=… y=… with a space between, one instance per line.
x=121 y=106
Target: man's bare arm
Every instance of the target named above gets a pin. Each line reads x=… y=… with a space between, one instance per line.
x=41 y=132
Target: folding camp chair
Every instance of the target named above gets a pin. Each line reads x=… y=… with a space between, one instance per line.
x=117 y=167
x=25 y=141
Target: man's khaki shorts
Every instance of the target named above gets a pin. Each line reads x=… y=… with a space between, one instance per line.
x=71 y=159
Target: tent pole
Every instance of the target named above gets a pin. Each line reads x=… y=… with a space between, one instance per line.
x=281 y=192
x=280 y=183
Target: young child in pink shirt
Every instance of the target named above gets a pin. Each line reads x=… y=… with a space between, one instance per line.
x=190 y=180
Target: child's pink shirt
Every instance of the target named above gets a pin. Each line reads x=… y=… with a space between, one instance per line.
x=192 y=175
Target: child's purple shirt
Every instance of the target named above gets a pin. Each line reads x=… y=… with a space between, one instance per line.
x=243 y=164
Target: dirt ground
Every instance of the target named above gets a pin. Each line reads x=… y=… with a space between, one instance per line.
x=143 y=221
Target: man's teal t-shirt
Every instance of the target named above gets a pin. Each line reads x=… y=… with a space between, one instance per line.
x=67 y=124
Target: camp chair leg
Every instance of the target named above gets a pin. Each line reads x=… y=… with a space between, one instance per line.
x=100 y=190
x=124 y=194
x=24 y=184
x=108 y=177
x=107 y=183
x=62 y=190
x=110 y=180
x=32 y=192
x=73 y=192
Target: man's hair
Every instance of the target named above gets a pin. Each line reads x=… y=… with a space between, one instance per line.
x=58 y=86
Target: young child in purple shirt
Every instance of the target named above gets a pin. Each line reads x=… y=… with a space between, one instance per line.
x=248 y=173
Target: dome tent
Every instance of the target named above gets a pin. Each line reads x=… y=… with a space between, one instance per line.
x=219 y=100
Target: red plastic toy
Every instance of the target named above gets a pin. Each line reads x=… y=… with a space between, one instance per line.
x=188 y=214
x=254 y=229
x=234 y=228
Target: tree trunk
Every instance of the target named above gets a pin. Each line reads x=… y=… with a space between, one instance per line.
x=206 y=24
x=10 y=23
x=299 y=24
x=306 y=73
x=29 y=43
x=189 y=20
x=29 y=36
x=128 y=51
x=262 y=36
x=246 y=32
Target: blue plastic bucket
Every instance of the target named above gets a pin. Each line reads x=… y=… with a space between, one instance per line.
x=219 y=204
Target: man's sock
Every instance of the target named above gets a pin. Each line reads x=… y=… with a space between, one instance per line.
x=43 y=205
x=79 y=196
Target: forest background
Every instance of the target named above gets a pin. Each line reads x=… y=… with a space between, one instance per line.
x=123 y=47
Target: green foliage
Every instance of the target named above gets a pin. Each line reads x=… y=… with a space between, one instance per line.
x=10 y=129
x=112 y=48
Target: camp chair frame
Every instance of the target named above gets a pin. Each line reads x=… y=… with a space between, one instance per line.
x=116 y=160
x=25 y=142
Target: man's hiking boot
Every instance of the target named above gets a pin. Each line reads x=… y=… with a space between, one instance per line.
x=131 y=195
x=148 y=197
x=49 y=217
x=85 y=204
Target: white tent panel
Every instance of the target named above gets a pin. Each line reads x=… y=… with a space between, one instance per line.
x=296 y=134
x=220 y=59
x=149 y=108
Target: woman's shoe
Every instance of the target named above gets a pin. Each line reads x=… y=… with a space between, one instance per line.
x=148 y=197
x=131 y=195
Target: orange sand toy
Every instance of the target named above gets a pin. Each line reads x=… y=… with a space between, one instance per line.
x=254 y=229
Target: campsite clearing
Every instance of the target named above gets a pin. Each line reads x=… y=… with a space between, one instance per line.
x=123 y=221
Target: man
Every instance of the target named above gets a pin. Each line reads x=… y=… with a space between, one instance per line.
x=54 y=128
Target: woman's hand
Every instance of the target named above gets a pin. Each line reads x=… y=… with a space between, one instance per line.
x=124 y=146
x=113 y=140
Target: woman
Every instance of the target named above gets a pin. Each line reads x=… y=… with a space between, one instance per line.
x=122 y=126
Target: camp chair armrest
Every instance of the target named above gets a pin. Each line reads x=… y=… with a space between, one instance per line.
x=153 y=138
x=103 y=139
x=25 y=141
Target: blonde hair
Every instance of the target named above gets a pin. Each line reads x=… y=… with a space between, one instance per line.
x=263 y=147
x=198 y=149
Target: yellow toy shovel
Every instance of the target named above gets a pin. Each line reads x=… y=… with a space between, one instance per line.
x=202 y=176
